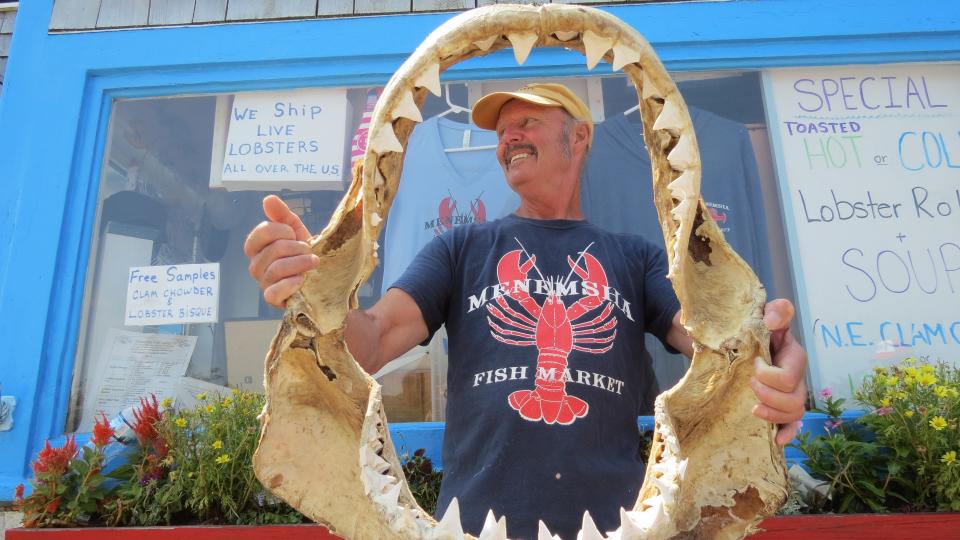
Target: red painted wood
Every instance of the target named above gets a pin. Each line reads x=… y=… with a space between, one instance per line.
x=265 y=532
x=940 y=526
x=943 y=526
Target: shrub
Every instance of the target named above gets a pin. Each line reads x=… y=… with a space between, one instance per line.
x=901 y=455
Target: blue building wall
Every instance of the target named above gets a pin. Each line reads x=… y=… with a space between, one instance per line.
x=54 y=112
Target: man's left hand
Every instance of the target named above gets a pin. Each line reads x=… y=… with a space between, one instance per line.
x=781 y=388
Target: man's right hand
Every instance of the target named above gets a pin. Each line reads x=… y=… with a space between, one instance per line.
x=279 y=253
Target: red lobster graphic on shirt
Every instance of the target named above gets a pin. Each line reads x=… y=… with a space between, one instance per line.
x=553 y=329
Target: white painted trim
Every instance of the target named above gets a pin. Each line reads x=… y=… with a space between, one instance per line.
x=10 y=7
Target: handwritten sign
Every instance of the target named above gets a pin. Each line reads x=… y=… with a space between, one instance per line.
x=869 y=163
x=184 y=293
x=290 y=139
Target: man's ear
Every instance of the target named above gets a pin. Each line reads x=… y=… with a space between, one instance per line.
x=581 y=133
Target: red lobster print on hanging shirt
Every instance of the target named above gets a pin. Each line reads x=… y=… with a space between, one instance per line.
x=553 y=328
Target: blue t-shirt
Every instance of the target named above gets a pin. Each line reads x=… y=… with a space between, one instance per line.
x=440 y=190
x=545 y=320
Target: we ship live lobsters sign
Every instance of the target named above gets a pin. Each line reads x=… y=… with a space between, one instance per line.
x=869 y=165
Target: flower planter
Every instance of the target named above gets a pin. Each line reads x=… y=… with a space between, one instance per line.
x=938 y=526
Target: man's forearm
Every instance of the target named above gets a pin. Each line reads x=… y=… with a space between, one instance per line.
x=678 y=338
x=362 y=336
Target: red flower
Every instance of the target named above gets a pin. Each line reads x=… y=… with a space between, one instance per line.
x=18 y=494
x=55 y=460
x=146 y=418
x=53 y=505
x=102 y=432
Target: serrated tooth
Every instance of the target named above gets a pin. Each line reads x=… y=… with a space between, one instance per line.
x=388 y=499
x=407 y=108
x=566 y=35
x=385 y=140
x=682 y=187
x=368 y=477
x=543 y=533
x=649 y=89
x=430 y=79
x=683 y=156
x=493 y=529
x=666 y=488
x=375 y=219
x=679 y=212
x=595 y=46
x=522 y=44
x=371 y=460
x=449 y=528
x=589 y=530
x=624 y=54
x=682 y=469
x=485 y=44
x=378 y=180
x=628 y=529
x=671 y=116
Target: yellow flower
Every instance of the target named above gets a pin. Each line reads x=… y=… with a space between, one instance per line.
x=885 y=401
x=168 y=461
x=235 y=391
x=953 y=392
x=227 y=402
x=173 y=475
x=210 y=408
x=879 y=370
x=926 y=368
x=938 y=423
x=223 y=458
x=181 y=422
x=166 y=403
x=912 y=371
x=908 y=380
x=941 y=391
x=891 y=380
x=908 y=414
x=949 y=457
x=218 y=444
x=927 y=379
x=901 y=395
x=202 y=396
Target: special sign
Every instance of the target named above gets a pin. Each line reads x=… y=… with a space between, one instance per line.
x=175 y=294
x=869 y=163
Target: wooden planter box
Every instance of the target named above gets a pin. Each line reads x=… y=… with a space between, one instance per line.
x=942 y=526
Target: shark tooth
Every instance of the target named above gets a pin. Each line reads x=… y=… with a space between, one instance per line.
x=566 y=35
x=485 y=44
x=389 y=498
x=671 y=117
x=385 y=140
x=682 y=186
x=680 y=210
x=624 y=54
x=449 y=528
x=493 y=529
x=649 y=89
x=666 y=488
x=374 y=461
x=589 y=530
x=430 y=79
x=522 y=44
x=628 y=528
x=407 y=108
x=595 y=46
x=375 y=219
x=543 y=533
x=684 y=154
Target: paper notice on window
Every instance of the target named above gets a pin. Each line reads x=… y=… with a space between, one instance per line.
x=173 y=294
x=137 y=365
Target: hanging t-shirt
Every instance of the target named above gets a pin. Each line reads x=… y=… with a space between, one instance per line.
x=546 y=322
x=617 y=193
x=440 y=190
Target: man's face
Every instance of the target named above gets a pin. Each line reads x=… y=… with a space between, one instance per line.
x=534 y=145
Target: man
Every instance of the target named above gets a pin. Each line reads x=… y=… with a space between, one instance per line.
x=546 y=315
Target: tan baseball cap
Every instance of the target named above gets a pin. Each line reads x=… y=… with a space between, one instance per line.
x=487 y=109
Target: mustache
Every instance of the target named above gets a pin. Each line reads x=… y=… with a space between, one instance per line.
x=514 y=147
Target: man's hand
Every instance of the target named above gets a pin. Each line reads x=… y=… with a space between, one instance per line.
x=781 y=388
x=279 y=253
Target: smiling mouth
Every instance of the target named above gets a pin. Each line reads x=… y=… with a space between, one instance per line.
x=515 y=158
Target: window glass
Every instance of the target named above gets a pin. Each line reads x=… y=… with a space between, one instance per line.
x=183 y=179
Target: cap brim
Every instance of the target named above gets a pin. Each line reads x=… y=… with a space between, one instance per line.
x=486 y=110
